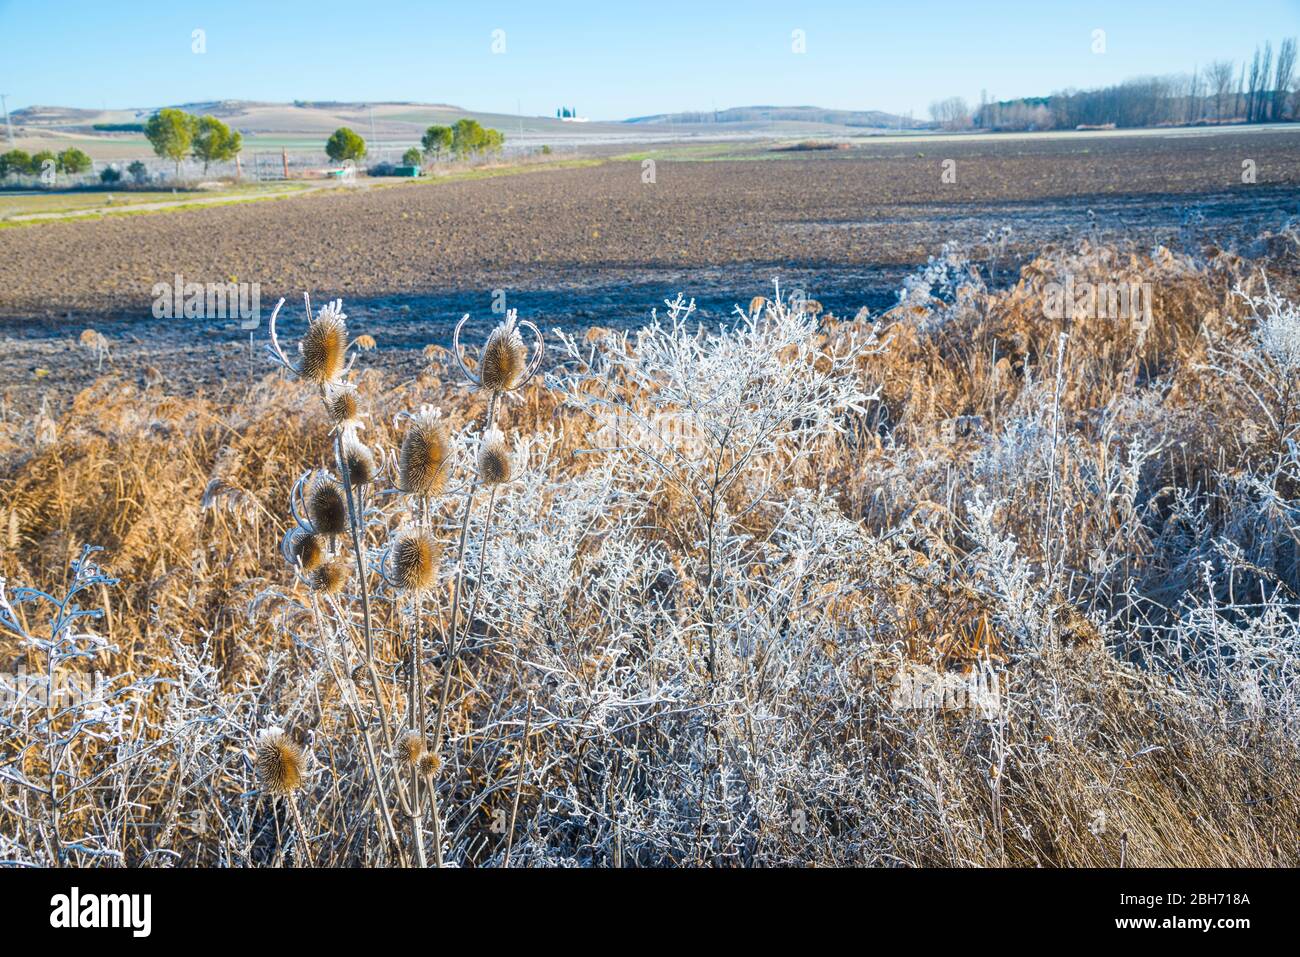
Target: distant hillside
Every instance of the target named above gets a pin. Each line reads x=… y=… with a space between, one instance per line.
x=393 y=120
x=806 y=115
x=304 y=125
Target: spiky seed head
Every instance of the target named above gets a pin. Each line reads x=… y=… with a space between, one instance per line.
x=326 y=507
x=757 y=305
x=324 y=346
x=366 y=343
x=304 y=549
x=330 y=577
x=279 y=762
x=429 y=764
x=344 y=409
x=414 y=560
x=504 y=358
x=410 y=747
x=359 y=460
x=493 y=459
x=422 y=464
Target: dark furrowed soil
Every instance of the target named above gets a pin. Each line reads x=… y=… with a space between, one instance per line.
x=599 y=246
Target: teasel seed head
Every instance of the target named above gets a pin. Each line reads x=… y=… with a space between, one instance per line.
x=360 y=461
x=304 y=549
x=430 y=763
x=493 y=458
x=414 y=560
x=410 y=747
x=504 y=358
x=326 y=506
x=324 y=345
x=329 y=578
x=344 y=408
x=422 y=463
x=279 y=762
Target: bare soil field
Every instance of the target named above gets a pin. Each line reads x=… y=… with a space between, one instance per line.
x=601 y=246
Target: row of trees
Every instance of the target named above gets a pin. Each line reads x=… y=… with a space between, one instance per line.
x=1263 y=91
x=175 y=134
x=462 y=140
x=18 y=162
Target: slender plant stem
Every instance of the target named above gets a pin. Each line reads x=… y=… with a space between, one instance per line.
x=453 y=646
x=519 y=780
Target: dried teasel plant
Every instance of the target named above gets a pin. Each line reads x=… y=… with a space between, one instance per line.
x=429 y=765
x=504 y=367
x=330 y=577
x=413 y=560
x=332 y=507
x=343 y=406
x=424 y=457
x=281 y=767
x=494 y=467
x=323 y=347
x=280 y=762
x=326 y=506
x=303 y=548
x=410 y=747
x=361 y=466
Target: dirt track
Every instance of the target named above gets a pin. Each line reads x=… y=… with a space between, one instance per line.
x=598 y=245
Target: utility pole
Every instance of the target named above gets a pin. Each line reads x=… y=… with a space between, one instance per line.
x=9 y=126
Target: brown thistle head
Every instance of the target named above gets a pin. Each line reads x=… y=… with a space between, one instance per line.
x=494 y=465
x=504 y=358
x=430 y=763
x=344 y=408
x=279 y=762
x=410 y=747
x=422 y=464
x=359 y=460
x=324 y=345
x=415 y=560
x=329 y=578
x=326 y=506
x=304 y=549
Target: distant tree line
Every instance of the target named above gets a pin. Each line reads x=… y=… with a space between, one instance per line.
x=1263 y=91
x=175 y=134
x=464 y=139
x=71 y=161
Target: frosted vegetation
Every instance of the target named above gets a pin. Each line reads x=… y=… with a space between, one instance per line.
x=960 y=585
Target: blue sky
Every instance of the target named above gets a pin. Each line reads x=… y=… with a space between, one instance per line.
x=611 y=59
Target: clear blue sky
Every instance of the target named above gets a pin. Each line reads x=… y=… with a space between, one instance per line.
x=613 y=58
